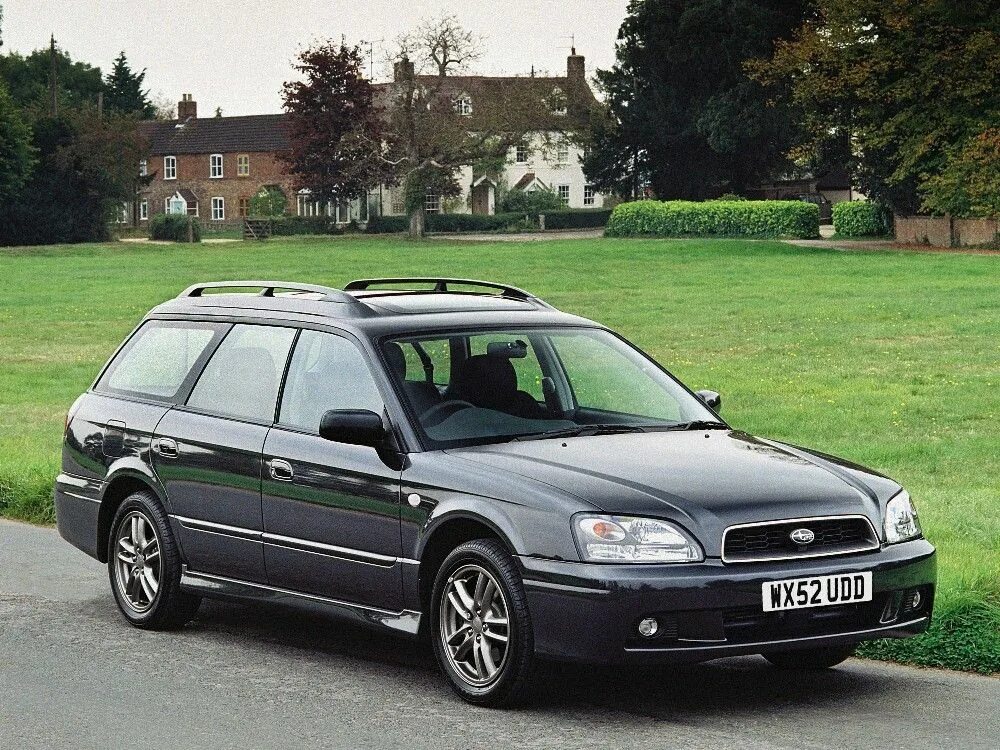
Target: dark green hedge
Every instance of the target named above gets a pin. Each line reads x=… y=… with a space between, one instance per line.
x=173 y=227
x=289 y=225
x=715 y=218
x=860 y=219
x=577 y=218
x=449 y=223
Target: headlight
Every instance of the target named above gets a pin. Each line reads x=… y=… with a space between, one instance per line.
x=901 y=522
x=640 y=540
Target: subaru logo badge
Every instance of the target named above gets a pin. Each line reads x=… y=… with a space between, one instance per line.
x=802 y=536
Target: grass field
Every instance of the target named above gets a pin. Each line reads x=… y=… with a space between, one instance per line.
x=889 y=359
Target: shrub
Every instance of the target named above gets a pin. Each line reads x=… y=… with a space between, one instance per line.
x=448 y=223
x=174 y=227
x=530 y=202
x=715 y=218
x=577 y=218
x=387 y=224
x=860 y=219
x=289 y=225
x=270 y=201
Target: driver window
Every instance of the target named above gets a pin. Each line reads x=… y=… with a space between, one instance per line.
x=327 y=372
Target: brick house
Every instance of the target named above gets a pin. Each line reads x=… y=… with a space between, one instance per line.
x=211 y=167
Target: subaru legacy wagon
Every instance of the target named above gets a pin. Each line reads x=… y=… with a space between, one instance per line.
x=460 y=459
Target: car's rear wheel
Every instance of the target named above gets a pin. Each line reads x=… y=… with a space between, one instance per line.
x=810 y=658
x=144 y=566
x=480 y=626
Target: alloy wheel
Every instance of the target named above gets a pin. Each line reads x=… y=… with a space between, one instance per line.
x=137 y=561
x=475 y=625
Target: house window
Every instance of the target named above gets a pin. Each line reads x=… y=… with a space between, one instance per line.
x=308 y=207
x=397 y=205
x=244 y=208
x=169 y=167
x=521 y=153
x=562 y=152
x=123 y=213
x=343 y=215
x=558 y=102
x=218 y=209
x=243 y=165
x=463 y=105
x=215 y=166
x=143 y=209
x=143 y=168
x=563 y=191
x=588 y=195
x=432 y=202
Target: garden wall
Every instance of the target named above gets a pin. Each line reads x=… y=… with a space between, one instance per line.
x=945 y=231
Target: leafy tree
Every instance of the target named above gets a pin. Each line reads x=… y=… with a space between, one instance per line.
x=901 y=84
x=27 y=79
x=123 y=90
x=969 y=183
x=530 y=201
x=683 y=115
x=270 y=201
x=16 y=154
x=334 y=126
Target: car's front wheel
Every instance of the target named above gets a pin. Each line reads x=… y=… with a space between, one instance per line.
x=810 y=658
x=480 y=626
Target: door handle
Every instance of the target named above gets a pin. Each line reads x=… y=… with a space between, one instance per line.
x=166 y=447
x=280 y=470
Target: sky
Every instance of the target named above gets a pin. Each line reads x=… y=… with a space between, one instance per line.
x=235 y=54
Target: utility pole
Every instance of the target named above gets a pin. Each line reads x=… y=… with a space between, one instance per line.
x=53 y=80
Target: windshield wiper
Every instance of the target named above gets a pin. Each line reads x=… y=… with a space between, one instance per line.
x=698 y=424
x=578 y=431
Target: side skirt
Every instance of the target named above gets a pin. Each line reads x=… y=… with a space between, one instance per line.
x=214 y=586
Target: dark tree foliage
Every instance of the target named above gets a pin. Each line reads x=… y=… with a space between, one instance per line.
x=16 y=155
x=123 y=91
x=334 y=125
x=685 y=117
x=27 y=79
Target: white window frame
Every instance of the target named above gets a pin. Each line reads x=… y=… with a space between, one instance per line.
x=589 y=195
x=562 y=153
x=144 y=210
x=558 y=102
x=463 y=106
x=218 y=208
x=563 y=191
x=243 y=165
x=169 y=167
x=215 y=166
x=124 y=212
x=520 y=150
x=143 y=168
x=432 y=203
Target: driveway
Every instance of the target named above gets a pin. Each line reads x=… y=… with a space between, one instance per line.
x=73 y=674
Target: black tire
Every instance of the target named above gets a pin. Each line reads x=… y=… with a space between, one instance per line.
x=811 y=658
x=510 y=683
x=170 y=607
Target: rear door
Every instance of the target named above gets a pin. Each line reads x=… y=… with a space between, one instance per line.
x=331 y=511
x=207 y=452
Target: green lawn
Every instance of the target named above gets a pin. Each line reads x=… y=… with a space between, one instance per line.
x=890 y=359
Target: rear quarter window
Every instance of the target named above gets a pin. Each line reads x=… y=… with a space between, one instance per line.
x=158 y=360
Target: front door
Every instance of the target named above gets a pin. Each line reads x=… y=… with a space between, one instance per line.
x=207 y=453
x=330 y=510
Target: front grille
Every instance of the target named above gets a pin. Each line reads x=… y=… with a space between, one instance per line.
x=772 y=540
x=751 y=625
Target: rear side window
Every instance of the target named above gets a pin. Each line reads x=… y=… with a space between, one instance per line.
x=242 y=377
x=157 y=361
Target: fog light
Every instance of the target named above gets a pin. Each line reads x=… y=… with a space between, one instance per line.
x=915 y=600
x=648 y=627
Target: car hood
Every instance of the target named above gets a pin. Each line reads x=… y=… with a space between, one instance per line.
x=704 y=480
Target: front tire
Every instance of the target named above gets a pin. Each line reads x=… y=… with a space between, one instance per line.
x=480 y=626
x=144 y=566
x=811 y=658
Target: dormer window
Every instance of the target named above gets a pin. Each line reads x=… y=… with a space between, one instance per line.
x=557 y=102
x=463 y=105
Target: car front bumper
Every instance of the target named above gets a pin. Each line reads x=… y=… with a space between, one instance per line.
x=590 y=612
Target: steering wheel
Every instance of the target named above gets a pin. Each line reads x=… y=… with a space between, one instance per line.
x=440 y=412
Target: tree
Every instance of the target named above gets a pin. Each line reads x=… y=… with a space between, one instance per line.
x=683 y=113
x=123 y=91
x=27 y=79
x=334 y=127
x=16 y=154
x=902 y=84
x=969 y=183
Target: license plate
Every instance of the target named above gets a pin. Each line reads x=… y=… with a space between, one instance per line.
x=820 y=591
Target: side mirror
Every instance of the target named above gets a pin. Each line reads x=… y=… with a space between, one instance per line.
x=354 y=427
x=711 y=399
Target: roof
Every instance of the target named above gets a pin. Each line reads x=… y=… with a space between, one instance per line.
x=527 y=180
x=250 y=133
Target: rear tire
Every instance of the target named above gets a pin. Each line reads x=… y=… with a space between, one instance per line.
x=479 y=625
x=811 y=658
x=144 y=566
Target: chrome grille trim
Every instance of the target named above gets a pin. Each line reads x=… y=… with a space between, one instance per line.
x=872 y=543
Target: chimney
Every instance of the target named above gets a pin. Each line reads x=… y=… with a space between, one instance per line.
x=402 y=69
x=187 y=108
x=576 y=67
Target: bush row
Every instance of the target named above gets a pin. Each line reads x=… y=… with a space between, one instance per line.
x=174 y=227
x=860 y=219
x=448 y=223
x=577 y=218
x=715 y=218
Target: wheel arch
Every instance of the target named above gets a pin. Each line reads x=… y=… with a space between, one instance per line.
x=121 y=484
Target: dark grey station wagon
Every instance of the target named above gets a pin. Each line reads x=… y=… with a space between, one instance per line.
x=458 y=458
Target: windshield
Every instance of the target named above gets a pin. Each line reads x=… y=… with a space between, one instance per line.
x=475 y=387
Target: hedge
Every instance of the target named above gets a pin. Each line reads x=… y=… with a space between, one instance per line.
x=289 y=225
x=448 y=223
x=173 y=227
x=715 y=218
x=577 y=218
x=860 y=219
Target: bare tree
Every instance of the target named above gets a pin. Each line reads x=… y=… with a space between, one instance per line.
x=441 y=46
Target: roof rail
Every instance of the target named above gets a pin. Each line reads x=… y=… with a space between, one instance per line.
x=268 y=288
x=441 y=285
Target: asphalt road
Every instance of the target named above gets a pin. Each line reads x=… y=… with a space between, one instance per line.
x=73 y=674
